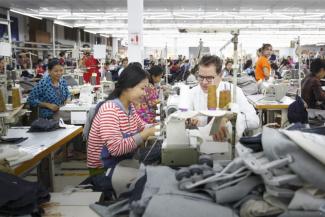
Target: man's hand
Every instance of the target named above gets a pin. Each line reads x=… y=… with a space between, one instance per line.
x=221 y=135
x=192 y=122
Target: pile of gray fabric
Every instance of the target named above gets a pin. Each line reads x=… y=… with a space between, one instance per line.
x=283 y=180
x=248 y=85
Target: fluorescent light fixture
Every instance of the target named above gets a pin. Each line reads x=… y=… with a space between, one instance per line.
x=92 y=32
x=62 y=23
x=25 y=14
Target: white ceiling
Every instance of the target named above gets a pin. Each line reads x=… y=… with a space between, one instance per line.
x=284 y=19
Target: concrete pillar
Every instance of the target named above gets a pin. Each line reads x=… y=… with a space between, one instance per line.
x=135 y=31
x=53 y=39
x=114 y=47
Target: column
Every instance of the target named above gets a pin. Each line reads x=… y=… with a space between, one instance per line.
x=135 y=31
x=53 y=39
x=114 y=47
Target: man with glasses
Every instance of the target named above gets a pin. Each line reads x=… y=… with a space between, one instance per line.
x=209 y=73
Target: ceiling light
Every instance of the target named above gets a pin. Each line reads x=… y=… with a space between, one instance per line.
x=25 y=14
x=62 y=23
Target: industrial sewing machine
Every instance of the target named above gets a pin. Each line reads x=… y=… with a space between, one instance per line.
x=183 y=146
x=273 y=91
x=10 y=113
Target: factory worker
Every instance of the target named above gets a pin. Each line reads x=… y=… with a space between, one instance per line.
x=209 y=73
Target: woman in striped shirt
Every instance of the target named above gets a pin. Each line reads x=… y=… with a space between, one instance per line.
x=117 y=130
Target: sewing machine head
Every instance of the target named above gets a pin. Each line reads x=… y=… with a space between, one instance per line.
x=182 y=146
x=274 y=92
x=107 y=87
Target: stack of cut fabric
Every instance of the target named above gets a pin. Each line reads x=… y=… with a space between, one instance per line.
x=283 y=178
x=14 y=155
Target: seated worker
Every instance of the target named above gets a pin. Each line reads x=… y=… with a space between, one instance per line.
x=312 y=91
x=263 y=67
x=148 y=104
x=209 y=73
x=51 y=92
x=228 y=71
x=117 y=130
x=125 y=63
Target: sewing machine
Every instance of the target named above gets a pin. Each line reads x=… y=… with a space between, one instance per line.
x=183 y=146
x=274 y=92
x=176 y=99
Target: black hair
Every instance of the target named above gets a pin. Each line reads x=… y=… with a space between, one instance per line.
x=53 y=62
x=229 y=61
x=131 y=76
x=248 y=64
x=125 y=59
x=316 y=65
x=61 y=54
x=208 y=60
x=154 y=71
x=136 y=64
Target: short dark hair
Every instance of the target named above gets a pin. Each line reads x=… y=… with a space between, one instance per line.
x=208 y=60
x=316 y=65
x=53 y=62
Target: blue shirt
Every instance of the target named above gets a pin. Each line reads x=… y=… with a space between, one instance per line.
x=45 y=91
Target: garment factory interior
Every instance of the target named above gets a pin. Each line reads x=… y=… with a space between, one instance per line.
x=162 y=108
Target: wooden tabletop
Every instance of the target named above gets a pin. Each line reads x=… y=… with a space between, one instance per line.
x=259 y=103
x=41 y=144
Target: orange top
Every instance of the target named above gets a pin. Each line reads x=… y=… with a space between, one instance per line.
x=260 y=64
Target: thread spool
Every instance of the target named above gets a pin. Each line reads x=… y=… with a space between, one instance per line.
x=224 y=98
x=15 y=97
x=2 y=102
x=212 y=97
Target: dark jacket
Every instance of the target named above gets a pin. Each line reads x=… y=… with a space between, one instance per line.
x=312 y=92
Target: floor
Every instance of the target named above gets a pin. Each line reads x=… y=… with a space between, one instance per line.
x=67 y=174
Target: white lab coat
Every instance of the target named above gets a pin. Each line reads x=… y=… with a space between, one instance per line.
x=197 y=100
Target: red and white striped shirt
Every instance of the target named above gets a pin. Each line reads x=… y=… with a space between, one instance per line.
x=109 y=125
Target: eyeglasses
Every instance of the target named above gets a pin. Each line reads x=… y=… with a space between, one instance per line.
x=207 y=78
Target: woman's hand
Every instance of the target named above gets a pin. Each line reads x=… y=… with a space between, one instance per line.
x=147 y=132
x=53 y=107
